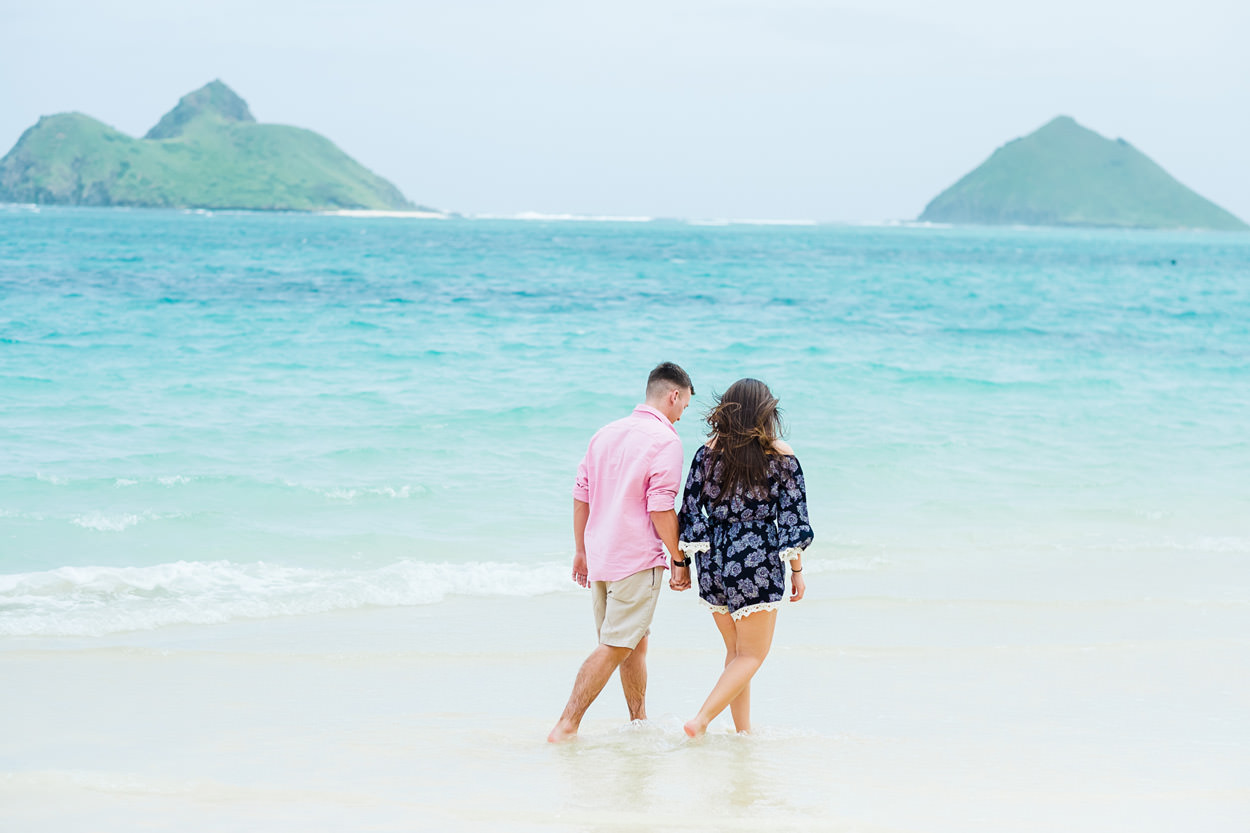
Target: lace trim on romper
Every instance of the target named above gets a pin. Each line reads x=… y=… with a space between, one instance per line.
x=744 y=612
x=740 y=613
x=712 y=607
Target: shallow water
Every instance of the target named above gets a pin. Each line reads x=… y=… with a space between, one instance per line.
x=405 y=717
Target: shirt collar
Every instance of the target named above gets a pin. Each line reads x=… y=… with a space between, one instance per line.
x=647 y=409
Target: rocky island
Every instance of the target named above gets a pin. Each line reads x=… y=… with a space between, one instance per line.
x=208 y=152
x=1067 y=175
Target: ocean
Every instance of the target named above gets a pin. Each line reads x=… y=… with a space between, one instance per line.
x=285 y=523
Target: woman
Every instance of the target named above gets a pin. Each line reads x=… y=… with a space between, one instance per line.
x=743 y=514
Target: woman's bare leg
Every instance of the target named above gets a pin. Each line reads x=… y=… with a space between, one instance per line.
x=752 y=637
x=740 y=706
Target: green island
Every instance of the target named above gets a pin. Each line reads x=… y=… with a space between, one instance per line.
x=208 y=152
x=1067 y=175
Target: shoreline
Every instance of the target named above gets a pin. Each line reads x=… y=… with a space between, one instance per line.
x=359 y=719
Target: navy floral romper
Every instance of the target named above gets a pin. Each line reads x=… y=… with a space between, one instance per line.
x=740 y=544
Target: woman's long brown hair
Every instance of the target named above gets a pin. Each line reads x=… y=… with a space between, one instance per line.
x=745 y=423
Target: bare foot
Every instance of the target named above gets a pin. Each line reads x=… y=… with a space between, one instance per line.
x=561 y=733
x=694 y=728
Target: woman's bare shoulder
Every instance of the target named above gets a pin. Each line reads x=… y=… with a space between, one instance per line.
x=783 y=447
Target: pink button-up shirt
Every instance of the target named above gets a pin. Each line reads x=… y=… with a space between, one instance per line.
x=631 y=469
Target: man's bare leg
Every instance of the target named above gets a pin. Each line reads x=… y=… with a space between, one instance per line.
x=593 y=676
x=753 y=638
x=634 y=681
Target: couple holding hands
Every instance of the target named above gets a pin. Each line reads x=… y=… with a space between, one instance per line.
x=743 y=516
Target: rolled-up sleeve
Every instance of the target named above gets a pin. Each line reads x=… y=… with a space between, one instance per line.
x=581 y=485
x=664 y=477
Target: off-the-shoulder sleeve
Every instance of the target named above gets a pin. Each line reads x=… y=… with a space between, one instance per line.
x=694 y=535
x=792 y=521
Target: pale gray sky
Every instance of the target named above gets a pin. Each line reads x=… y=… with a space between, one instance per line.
x=860 y=110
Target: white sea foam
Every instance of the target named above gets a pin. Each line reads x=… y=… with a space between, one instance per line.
x=369 y=212
x=581 y=218
x=349 y=494
x=402 y=493
x=893 y=223
x=93 y=601
x=101 y=522
x=768 y=222
x=723 y=221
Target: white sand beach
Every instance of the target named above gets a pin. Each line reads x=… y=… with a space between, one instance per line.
x=874 y=714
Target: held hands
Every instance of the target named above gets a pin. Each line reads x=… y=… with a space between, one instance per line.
x=797 y=585
x=579 y=569
x=680 y=579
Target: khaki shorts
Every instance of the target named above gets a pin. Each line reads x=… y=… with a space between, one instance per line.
x=623 y=608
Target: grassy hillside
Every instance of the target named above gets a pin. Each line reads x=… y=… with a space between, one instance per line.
x=206 y=153
x=1066 y=175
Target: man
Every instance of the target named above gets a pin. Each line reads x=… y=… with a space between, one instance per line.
x=623 y=509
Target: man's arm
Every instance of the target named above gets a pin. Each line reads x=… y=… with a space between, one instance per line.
x=663 y=483
x=581 y=514
x=665 y=524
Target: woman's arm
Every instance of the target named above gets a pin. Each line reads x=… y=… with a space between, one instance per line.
x=792 y=522
x=694 y=535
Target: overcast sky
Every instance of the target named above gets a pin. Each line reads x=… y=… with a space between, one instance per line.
x=859 y=110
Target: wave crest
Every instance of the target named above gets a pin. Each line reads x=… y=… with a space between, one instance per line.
x=94 y=601
x=101 y=522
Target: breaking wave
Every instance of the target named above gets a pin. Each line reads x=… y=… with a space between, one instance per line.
x=94 y=601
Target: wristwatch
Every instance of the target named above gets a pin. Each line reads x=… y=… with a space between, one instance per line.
x=677 y=563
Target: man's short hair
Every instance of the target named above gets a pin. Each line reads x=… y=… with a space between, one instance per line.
x=667 y=376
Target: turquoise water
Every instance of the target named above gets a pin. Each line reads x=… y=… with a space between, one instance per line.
x=285 y=527
x=212 y=416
